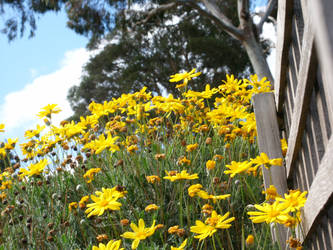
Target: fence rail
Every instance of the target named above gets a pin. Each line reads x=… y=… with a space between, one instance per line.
x=303 y=104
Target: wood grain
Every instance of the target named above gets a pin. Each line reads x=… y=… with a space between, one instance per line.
x=284 y=25
x=269 y=143
x=321 y=190
x=306 y=77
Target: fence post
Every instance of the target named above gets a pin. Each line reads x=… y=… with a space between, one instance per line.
x=268 y=137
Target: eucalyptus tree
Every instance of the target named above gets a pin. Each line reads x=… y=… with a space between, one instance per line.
x=147 y=54
x=97 y=19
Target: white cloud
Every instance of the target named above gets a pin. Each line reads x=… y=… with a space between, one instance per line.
x=269 y=32
x=33 y=73
x=20 y=108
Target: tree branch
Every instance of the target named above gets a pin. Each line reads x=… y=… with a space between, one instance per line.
x=270 y=7
x=159 y=9
x=213 y=12
x=243 y=13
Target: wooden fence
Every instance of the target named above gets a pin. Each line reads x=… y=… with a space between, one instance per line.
x=303 y=113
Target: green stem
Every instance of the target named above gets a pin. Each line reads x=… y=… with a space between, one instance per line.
x=229 y=240
x=250 y=191
x=219 y=242
x=277 y=235
x=201 y=244
x=181 y=204
x=213 y=242
x=113 y=226
x=188 y=213
x=268 y=229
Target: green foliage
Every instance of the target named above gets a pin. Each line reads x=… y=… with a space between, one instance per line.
x=91 y=18
x=150 y=53
x=41 y=219
x=120 y=146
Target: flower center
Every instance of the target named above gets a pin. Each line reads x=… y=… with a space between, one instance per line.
x=274 y=214
x=141 y=235
x=104 y=203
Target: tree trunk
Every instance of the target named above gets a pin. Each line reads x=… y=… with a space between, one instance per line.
x=257 y=57
x=244 y=33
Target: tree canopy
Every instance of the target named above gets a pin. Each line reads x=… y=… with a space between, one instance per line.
x=209 y=34
x=152 y=52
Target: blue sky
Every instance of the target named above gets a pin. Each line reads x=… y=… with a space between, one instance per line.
x=24 y=58
x=29 y=68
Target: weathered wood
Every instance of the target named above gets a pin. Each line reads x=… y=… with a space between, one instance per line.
x=287 y=110
x=330 y=226
x=305 y=163
x=304 y=4
x=321 y=190
x=316 y=132
x=293 y=73
x=303 y=94
x=325 y=115
x=284 y=37
x=269 y=137
x=322 y=115
x=269 y=143
x=305 y=83
x=299 y=17
x=323 y=19
x=327 y=232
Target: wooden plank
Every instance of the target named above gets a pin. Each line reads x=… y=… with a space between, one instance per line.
x=325 y=114
x=316 y=131
x=306 y=78
x=305 y=163
x=330 y=224
x=299 y=16
x=304 y=6
x=320 y=237
x=327 y=235
x=323 y=19
x=269 y=143
x=300 y=174
x=293 y=81
x=312 y=140
x=307 y=166
x=321 y=190
x=269 y=136
x=284 y=37
x=286 y=119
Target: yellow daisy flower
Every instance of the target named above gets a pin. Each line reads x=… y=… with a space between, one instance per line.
x=153 y=178
x=105 y=200
x=294 y=200
x=112 y=245
x=263 y=159
x=191 y=147
x=194 y=189
x=89 y=175
x=210 y=164
x=271 y=193
x=140 y=232
x=180 y=176
x=2 y=127
x=202 y=230
x=237 y=168
x=181 y=247
x=269 y=213
x=186 y=76
x=219 y=221
x=48 y=110
x=151 y=207
x=34 y=169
